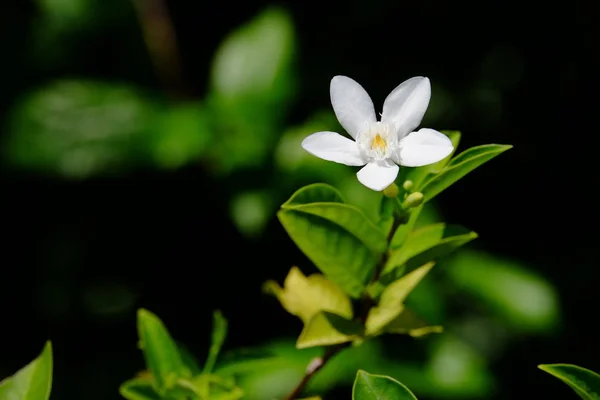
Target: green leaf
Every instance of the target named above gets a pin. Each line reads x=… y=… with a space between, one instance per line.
x=494 y=280
x=314 y=193
x=584 y=382
x=429 y=243
x=219 y=333
x=348 y=218
x=180 y=135
x=379 y=387
x=391 y=302
x=336 y=237
x=32 y=382
x=80 y=128
x=160 y=351
x=469 y=376
x=255 y=60
x=325 y=329
x=305 y=296
x=252 y=74
x=460 y=166
x=139 y=389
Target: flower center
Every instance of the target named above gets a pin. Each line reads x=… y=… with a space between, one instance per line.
x=378 y=141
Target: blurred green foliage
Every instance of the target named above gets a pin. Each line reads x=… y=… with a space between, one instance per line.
x=79 y=128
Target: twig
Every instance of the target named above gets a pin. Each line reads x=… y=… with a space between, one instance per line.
x=161 y=42
x=313 y=367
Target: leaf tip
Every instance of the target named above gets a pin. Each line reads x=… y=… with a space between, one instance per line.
x=271 y=287
x=218 y=315
x=361 y=373
x=143 y=313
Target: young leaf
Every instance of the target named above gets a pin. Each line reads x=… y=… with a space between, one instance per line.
x=305 y=296
x=391 y=302
x=583 y=381
x=139 y=389
x=32 y=382
x=494 y=281
x=218 y=338
x=408 y=323
x=336 y=237
x=326 y=329
x=379 y=387
x=379 y=317
x=399 y=290
x=160 y=351
x=428 y=243
x=460 y=166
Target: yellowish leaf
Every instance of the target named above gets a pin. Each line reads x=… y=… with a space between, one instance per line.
x=391 y=302
x=379 y=317
x=305 y=296
x=408 y=323
x=396 y=292
x=325 y=329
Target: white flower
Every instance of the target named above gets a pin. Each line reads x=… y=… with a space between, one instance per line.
x=380 y=145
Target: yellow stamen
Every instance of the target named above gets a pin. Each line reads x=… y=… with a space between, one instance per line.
x=378 y=143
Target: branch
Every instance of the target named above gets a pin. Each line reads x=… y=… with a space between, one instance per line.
x=313 y=367
x=160 y=38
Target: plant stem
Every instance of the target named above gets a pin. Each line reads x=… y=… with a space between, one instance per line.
x=367 y=302
x=315 y=365
x=160 y=38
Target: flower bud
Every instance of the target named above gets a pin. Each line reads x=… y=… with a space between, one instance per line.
x=413 y=200
x=407 y=185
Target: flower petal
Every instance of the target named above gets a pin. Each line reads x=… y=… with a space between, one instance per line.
x=352 y=105
x=377 y=175
x=406 y=105
x=334 y=147
x=424 y=147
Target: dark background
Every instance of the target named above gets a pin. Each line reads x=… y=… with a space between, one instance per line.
x=166 y=235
